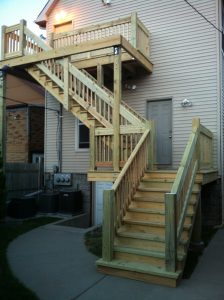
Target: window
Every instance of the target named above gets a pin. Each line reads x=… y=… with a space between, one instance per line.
x=67 y=26
x=83 y=136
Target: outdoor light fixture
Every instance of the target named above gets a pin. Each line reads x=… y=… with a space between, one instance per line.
x=106 y=2
x=186 y=103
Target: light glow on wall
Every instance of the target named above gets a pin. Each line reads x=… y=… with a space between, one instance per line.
x=60 y=16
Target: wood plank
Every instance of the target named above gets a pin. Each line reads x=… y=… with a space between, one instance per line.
x=102 y=176
x=108 y=225
x=124 y=129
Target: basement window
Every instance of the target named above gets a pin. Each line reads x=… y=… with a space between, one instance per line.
x=83 y=136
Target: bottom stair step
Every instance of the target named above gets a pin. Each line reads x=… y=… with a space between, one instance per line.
x=139 y=271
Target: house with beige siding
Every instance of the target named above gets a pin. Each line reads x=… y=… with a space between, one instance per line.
x=134 y=118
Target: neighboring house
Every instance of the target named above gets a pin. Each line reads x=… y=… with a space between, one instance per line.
x=165 y=63
x=24 y=120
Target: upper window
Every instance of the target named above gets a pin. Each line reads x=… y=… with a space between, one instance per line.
x=67 y=26
x=83 y=136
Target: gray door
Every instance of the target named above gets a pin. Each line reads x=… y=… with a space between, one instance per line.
x=161 y=113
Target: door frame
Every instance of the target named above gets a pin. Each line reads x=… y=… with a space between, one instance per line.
x=147 y=117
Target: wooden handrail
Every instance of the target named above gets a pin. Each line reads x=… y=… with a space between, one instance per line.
x=118 y=198
x=130 y=160
x=176 y=202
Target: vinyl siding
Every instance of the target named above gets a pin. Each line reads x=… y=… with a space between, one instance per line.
x=184 y=54
x=51 y=124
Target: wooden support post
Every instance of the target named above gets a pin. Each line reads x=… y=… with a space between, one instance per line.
x=116 y=110
x=151 y=151
x=2 y=144
x=3 y=47
x=134 y=28
x=92 y=149
x=170 y=232
x=66 y=83
x=100 y=75
x=2 y=116
x=108 y=225
x=51 y=40
x=22 y=37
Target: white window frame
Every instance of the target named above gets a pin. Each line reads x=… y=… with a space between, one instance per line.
x=78 y=122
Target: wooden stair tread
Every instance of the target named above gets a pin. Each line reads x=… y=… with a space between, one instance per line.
x=153 y=211
x=138 y=267
x=140 y=235
x=148 y=252
x=148 y=199
x=149 y=223
x=161 y=190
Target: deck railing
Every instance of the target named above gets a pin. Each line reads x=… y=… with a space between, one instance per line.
x=18 y=40
x=198 y=152
x=117 y=200
x=129 y=27
x=101 y=144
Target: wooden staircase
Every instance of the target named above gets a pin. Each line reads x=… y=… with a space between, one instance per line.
x=148 y=217
x=139 y=243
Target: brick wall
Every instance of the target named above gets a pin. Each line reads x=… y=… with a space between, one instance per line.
x=24 y=133
x=17 y=135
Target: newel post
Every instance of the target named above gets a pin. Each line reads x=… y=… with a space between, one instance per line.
x=151 y=146
x=134 y=29
x=22 y=37
x=92 y=148
x=116 y=108
x=108 y=224
x=170 y=232
x=196 y=130
x=3 y=47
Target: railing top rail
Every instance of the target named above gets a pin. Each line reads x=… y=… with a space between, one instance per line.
x=12 y=28
x=130 y=160
x=205 y=131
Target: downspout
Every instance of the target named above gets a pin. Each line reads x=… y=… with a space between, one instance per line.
x=220 y=58
x=59 y=138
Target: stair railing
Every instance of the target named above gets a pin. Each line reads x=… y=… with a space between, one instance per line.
x=177 y=201
x=118 y=198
